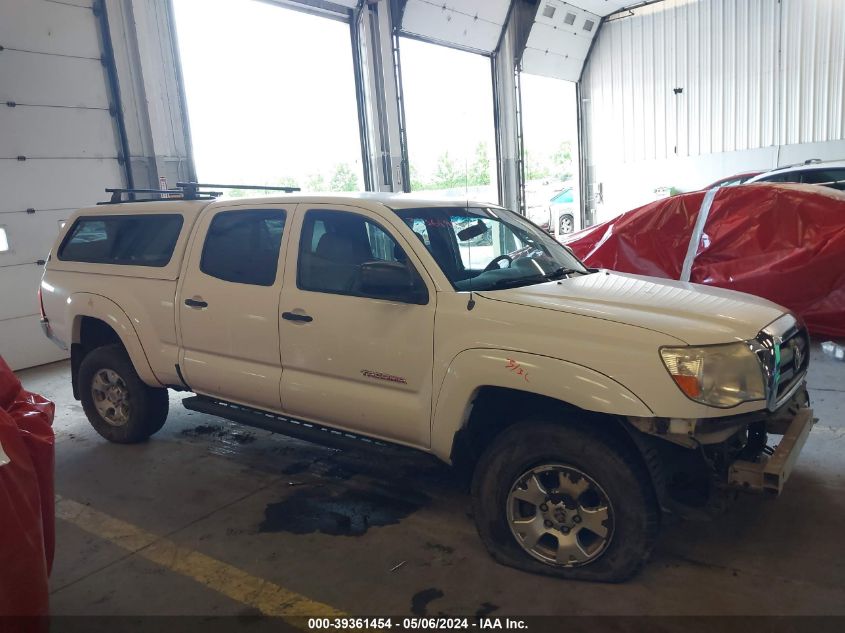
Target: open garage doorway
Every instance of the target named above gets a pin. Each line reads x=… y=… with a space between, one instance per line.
x=550 y=152
x=448 y=101
x=270 y=94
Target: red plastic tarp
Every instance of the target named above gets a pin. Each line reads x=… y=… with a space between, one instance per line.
x=27 y=530
x=785 y=243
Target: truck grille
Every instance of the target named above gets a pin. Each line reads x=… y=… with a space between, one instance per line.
x=794 y=360
x=784 y=351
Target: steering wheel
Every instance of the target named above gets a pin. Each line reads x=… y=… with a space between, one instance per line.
x=494 y=263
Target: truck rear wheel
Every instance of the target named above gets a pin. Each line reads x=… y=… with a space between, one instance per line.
x=119 y=405
x=565 y=501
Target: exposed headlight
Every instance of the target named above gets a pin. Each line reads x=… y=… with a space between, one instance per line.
x=716 y=375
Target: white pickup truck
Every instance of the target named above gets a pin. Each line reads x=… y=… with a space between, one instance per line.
x=583 y=402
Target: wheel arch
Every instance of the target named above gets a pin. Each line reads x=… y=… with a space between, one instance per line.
x=98 y=321
x=483 y=393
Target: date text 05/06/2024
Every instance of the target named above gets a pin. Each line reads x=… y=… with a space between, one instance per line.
x=414 y=624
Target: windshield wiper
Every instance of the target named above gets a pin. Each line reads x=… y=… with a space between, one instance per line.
x=560 y=272
x=499 y=284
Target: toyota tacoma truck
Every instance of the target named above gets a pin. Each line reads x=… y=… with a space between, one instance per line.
x=583 y=403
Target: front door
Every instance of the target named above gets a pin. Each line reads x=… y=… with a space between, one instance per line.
x=228 y=305
x=353 y=359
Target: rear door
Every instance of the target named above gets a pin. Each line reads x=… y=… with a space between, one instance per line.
x=228 y=305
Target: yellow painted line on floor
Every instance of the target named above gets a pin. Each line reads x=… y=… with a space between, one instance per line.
x=234 y=583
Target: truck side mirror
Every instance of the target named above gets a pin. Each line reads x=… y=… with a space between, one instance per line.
x=391 y=280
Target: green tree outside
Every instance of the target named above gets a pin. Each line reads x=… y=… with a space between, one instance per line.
x=479 y=171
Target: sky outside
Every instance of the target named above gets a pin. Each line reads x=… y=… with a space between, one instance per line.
x=549 y=114
x=271 y=96
x=448 y=104
x=270 y=91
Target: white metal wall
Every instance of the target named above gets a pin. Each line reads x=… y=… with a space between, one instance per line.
x=58 y=149
x=686 y=91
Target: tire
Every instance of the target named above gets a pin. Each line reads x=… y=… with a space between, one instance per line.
x=609 y=469
x=567 y=224
x=139 y=410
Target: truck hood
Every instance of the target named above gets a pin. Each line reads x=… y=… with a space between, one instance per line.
x=692 y=313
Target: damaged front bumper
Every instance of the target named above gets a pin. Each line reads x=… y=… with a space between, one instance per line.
x=731 y=452
x=769 y=473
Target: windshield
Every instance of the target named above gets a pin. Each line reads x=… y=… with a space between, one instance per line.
x=564 y=196
x=482 y=248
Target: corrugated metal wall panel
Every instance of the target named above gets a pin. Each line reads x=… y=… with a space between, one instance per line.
x=812 y=70
x=738 y=91
x=753 y=73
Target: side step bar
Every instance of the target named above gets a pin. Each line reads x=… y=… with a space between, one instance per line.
x=291 y=427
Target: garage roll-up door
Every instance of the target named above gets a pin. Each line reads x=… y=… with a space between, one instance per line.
x=58 y=150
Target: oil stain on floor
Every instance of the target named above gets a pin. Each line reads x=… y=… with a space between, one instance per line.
x=421 y=600
x=343 y=512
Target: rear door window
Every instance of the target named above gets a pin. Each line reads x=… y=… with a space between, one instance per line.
x=128 y=240
x=243 y=246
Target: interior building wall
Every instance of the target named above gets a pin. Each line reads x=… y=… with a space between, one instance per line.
x=680 y=93
x=89 y=98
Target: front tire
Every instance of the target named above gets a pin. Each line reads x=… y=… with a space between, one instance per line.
x=118 y=404
x=565 y=501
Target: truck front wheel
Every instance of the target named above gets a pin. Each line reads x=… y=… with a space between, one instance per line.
x=565 y=501
x=119 y=405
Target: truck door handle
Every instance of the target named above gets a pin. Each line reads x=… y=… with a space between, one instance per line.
x=293 y=316
x=195 y=303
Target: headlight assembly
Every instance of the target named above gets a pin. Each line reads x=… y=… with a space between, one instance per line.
x=716 y=375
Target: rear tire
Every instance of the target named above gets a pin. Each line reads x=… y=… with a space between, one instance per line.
x=118 y=404
x=599 y=502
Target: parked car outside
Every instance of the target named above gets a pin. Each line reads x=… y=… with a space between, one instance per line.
x=812 y=172
x=564 y=210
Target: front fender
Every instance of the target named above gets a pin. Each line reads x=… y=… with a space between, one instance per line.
x=85 y=304
x=476 y=368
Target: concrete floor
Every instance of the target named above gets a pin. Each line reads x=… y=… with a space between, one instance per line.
x=332 y=526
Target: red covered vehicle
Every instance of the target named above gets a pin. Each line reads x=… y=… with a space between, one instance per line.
x=26 y=498
x=785 y=243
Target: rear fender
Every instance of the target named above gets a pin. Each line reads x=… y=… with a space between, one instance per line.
x=84 y=304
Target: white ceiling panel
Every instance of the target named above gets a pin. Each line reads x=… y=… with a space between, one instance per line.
x=603 y=7
x=557 y=40
x=490 y=10
x=561 y=36
x=567 y=17
x=49 y=27
x=464 y=23
x=537 y=62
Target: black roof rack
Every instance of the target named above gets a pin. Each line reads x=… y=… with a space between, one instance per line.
x=194 y=186
x=184 y=191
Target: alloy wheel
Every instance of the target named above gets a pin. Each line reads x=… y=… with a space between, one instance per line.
x=111 y=397
x=559 y=515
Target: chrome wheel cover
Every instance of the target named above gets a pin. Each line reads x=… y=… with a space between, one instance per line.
x=111 y=397
x=559 y=515
x=567 y=224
